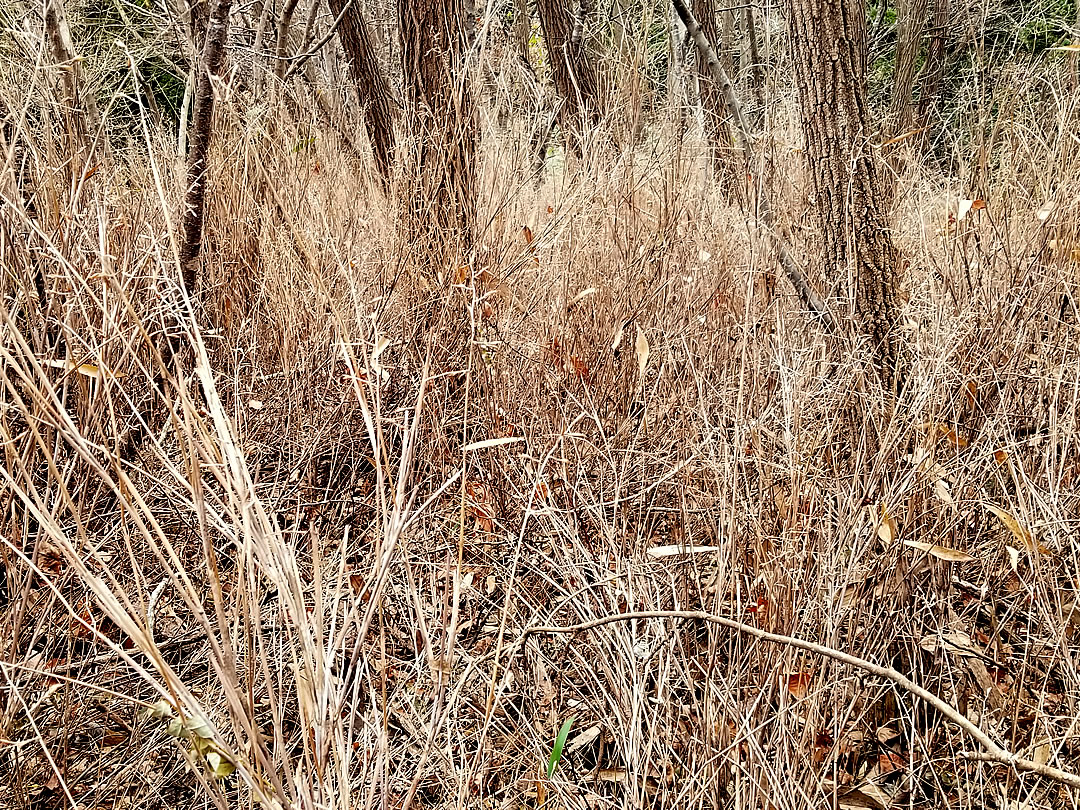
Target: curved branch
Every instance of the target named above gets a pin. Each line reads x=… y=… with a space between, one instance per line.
x=992 y=752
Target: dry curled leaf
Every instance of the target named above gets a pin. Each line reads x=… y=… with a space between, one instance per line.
x=86 y=369
x=798 y=683
x=641 y=348
x=886 y=528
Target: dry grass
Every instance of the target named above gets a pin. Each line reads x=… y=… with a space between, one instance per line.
x=263 y=508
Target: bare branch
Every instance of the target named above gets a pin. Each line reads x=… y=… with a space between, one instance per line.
x=992 y=751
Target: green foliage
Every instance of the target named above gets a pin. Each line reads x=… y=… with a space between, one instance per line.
x=557 y=749
x=204 y=748
x=658 y=51
x=1049 y=26
x=874 y=9
x=106 y=33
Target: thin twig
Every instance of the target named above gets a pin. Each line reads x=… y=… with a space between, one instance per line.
x=300 y=58
x=992 y=751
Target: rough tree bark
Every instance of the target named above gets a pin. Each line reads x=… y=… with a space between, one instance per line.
x=372 y=87
x=828 y=44
x=911 y=20
x=442 y=127
x=191 y=225
x=573 y=72
x=522 y=28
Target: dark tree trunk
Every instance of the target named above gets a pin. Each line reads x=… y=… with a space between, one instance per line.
x=828 y=44
x=371 y=86
x=442 y=126
x=712 y=97
x=572 y=69
x=191 y=226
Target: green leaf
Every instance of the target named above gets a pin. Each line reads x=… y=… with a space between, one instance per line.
x=202 y=746
x=159 y=711
x=199 y=727
x=556 y=751
x=218 y=765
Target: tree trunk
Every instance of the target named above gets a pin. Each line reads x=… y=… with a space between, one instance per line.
x=729 y=55
x=191 y=227
x=935 y=60
x=442 y=127
x=712 y=97
x=757 y=70
x=81 y=115
x=522 y=28
x=371 y=86
x=828 y=44
x=911 y=22
x=284 y=23
x=572 y=70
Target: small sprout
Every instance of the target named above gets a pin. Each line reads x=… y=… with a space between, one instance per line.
x=557 y=749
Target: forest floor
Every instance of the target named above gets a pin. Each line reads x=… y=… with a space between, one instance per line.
x=293 y=540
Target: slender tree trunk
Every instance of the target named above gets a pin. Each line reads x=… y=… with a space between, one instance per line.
x=262 y=14
x=372 y=87
x=442 y=127
x=284 y=24
x=935 y=60
x=80 y=114
x=911 y=22
x=573 y=72
x=729 y=54
x=757 y=69
x=522 y=28
x=828 y=43
x=191 y=226
x=712 y=97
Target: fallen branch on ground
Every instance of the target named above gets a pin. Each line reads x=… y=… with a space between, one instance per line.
x=992 y=752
